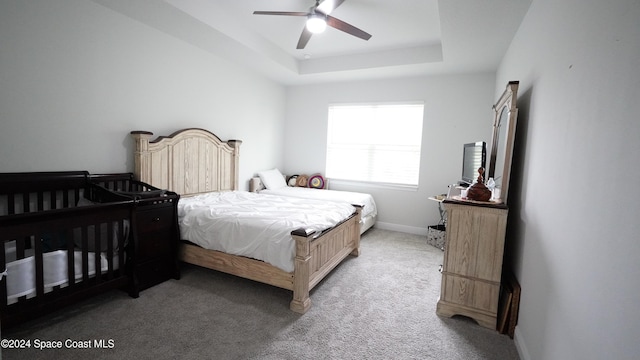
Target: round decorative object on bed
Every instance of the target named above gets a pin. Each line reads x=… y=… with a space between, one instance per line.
x=292 y=180
x=316 y=181
x=302 y=181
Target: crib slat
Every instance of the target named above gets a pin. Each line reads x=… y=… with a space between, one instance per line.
x=3 y=266
x=121 y=253
x=71 y=271
x=85 y=255
x=20 y=246
x=25 y=202
x=39 y=266
x=110 y=234
x=11 y=204
x=40 y=201
x=96 y=254
x=53 y=199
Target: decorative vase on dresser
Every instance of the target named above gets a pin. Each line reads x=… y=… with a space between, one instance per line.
x=472 y=267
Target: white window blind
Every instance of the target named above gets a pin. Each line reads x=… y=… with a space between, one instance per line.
x=375 y=142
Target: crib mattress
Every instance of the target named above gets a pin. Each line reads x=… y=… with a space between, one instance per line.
x=21 y=274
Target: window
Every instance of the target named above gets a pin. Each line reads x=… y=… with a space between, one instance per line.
x=375 y=143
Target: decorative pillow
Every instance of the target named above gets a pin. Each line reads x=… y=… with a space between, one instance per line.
x=292 y=180
x=302 y=181
x=272 y=179
x=316 y=181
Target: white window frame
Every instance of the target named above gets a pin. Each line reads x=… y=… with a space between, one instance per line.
x=349 y=137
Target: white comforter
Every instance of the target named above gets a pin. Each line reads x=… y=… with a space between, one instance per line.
x=255 y=225
x=354 y=198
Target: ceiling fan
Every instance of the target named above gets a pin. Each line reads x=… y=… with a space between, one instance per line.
x=317 y=19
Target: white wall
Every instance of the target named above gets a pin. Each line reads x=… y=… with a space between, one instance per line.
x=78 y=77
x=457 y=111
x=573 y=229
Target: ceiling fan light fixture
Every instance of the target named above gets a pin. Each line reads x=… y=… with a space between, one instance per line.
x=316 y=23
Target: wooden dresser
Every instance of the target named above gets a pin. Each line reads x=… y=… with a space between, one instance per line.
x=472 y=267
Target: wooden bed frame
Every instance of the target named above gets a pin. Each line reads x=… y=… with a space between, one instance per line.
x=193 y=161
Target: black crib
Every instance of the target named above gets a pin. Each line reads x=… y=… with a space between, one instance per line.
x=64 y=239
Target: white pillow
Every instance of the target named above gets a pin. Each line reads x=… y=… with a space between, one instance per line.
x=272 y=179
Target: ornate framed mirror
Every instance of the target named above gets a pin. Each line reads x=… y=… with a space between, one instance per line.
x=504 y=131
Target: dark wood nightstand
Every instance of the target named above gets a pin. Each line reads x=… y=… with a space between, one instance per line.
x=157 y=243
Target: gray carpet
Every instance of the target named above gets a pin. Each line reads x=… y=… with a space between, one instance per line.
x=380 y=305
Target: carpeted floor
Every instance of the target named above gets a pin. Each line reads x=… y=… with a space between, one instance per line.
x=380 y=305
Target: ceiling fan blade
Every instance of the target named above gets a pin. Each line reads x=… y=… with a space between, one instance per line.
x=304 y=38
x=287 y=13
x=349 y=29
x=328 y=6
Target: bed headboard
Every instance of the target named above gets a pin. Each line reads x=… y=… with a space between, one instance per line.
x=188 y=162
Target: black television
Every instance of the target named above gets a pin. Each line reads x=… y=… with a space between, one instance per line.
x=474 y=156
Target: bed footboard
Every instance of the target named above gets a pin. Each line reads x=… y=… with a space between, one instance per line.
x=317 y=256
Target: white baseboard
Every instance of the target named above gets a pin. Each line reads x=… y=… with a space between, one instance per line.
x=520 y=346
x=401 y=228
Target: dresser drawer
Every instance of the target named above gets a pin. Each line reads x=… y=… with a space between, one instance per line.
x=156 y=219
x=154 y=244
x=156 y=228
x=468 y=292
x=154 y=271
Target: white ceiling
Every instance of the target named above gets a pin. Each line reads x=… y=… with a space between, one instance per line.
x=409 y=37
